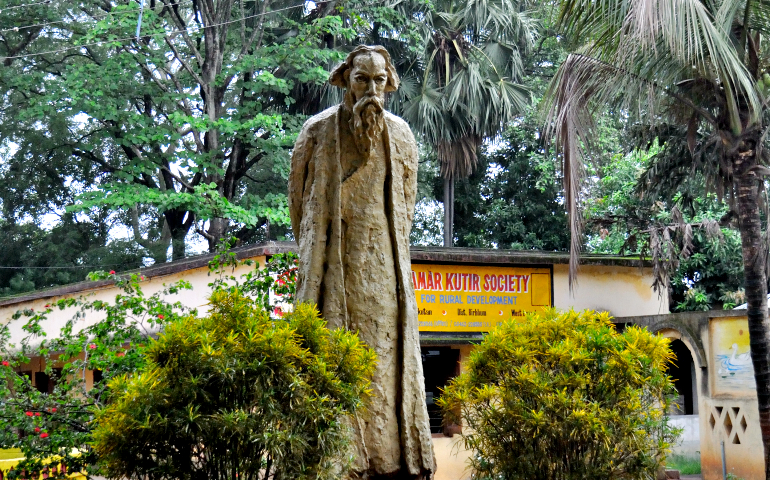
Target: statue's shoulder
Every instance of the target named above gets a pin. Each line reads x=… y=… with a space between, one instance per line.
x=397 y=126
x=320 y=120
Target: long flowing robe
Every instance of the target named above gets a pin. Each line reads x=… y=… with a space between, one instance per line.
x=314 y=204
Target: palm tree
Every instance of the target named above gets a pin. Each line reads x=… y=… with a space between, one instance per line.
x=463 y=88
x=688 y=64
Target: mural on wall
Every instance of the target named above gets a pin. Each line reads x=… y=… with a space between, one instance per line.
x=732 y=357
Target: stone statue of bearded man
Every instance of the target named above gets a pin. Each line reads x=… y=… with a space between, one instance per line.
x=352 y=191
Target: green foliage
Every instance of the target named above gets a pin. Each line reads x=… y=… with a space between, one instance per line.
x=59 y=423
x=695 y=298
x=564 y=396
x=512 y=200
x=236 y=394
x=705 y=270
x=145 y=127
x=272 y=286
x=36 y=258
x=715 y=270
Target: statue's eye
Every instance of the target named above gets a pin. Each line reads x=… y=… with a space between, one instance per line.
x=380 y=80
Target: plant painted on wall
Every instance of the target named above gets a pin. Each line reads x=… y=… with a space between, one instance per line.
x=564 y=396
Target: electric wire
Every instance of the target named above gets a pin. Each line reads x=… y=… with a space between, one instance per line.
x=13 y=7
x=61 y=267
x=94 y=16
x=165 y=34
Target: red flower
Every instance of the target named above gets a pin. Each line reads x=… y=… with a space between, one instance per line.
x=141 y=278
x=161 y=316
x=280 y=282
x=37 y=429
x=37 y=414
x=29 y=414
x=44 y=435
x=47 y=305
x=92 y=346
x=278 y=311
x=5 y=363
x=53 y=410
x=120 y=354
x=112 y=272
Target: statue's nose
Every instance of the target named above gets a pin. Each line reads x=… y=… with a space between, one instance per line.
x=371 y=88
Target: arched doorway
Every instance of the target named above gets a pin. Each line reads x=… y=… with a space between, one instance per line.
x=683 y=373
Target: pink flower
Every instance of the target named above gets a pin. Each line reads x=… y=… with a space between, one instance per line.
x=161 y=316
x=92 y=346
x=5 y=363
x=44 y=435
x=280 y=282
x=37 y=414
x=120 y=354
x=141 y=278
x=278 y=311
x=112 y=272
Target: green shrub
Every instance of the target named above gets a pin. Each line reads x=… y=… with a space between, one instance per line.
x=235 y=394
x=564 y=396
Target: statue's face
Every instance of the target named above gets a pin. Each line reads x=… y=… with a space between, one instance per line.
x=368 y=77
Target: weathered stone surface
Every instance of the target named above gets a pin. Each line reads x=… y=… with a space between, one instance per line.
x=352 y=191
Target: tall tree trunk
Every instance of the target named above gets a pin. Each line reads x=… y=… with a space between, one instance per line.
x=178 y=245
x=179 y=222
x=747 y=189
x=449 y=210
x=216 y=231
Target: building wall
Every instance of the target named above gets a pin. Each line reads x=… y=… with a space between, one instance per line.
x=689 y=442
x=621 y=290
x=727 y=403
x=199 y=278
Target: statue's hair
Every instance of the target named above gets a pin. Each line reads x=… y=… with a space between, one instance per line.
x=338 y=77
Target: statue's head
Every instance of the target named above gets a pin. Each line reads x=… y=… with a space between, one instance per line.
x=367 y=70
x=367 y=74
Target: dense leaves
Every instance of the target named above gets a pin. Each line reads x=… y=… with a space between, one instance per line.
x=53 y=417
x=513 y=199
x=236 y=394
x=564 y=396
x=35 y=257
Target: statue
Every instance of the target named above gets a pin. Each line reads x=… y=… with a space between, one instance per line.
x=352 y=191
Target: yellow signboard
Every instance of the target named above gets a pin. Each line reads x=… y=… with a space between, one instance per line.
x=468 y=298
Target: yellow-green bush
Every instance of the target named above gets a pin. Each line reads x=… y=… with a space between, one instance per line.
x=235 y=394
x=564 y=396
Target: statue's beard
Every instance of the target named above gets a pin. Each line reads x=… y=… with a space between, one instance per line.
x=367 y=123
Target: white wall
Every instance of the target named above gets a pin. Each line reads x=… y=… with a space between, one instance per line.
x=689 y=442
x=622 y=291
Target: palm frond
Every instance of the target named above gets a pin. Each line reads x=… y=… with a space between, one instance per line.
x=649 y=57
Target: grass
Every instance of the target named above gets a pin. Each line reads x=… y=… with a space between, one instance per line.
x=686 y=464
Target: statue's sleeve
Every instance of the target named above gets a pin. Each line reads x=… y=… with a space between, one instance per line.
x=300 y=158
x=410 y=177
